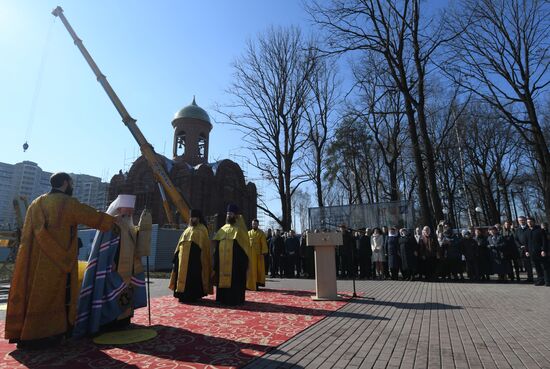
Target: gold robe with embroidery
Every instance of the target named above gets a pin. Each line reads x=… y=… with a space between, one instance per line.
x=226 y=235
x=258 y=245
x=47 y=257
x=252 y=261
x=199 y=235
x=135 y=242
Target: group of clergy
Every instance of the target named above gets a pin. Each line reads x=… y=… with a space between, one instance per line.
x=238 y=262
x=48 y=299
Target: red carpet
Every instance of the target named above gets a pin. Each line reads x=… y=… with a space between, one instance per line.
x=203 y=335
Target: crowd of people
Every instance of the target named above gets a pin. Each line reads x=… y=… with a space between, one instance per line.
x=498 y=252
x=47 y=280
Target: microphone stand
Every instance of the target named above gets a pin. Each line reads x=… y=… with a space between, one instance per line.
x=148 y=284
x=148 y=291
x=352 y=262
x=354 y=269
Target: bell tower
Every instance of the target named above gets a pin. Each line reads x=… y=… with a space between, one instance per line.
x=191 y=133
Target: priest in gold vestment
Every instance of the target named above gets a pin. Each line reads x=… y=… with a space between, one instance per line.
x=44 y=288
x=258 y=246
x=192 y=273
x=231 y=260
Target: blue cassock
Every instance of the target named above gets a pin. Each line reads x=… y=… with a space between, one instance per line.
x=104 y=295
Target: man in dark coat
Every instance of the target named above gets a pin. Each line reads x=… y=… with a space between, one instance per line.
x=537 y=246
x=292 y=247
x=408 y=252
x=484 y=259
x=365 y=255
x=309 y=258
x=511 y=252
x=497 y=246
x=276 y=251
x=471 y=254
x=302 y=255
x=394 y=259
x=520 y=237
x=346 y=252
x=453 y=254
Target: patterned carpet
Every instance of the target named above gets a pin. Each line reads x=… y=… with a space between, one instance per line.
x=203 y=335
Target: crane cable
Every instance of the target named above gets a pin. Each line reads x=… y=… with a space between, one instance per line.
x=38 y=85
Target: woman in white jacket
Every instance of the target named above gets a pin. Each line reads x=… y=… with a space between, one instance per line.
x=378 y=251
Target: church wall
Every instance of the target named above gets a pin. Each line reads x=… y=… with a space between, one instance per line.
x=200 y=187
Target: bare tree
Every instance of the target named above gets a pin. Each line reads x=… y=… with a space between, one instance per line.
x=381 y=109
x=444 y=111
x=300 y=203
x=320 y=118
x=502 y=56
x=271 y=86
x=395 y=30
x=348 y=160
x=493 y=156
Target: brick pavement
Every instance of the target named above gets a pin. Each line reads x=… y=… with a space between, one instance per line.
x=424 y=325
x=419 y=325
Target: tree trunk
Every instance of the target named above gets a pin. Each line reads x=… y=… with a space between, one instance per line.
x=504 y=193
x=542 y=154
x=394 y=185
x=507 y=207
x=430 y=165
x=288 y=199
x=492 y=211
x=421 y=113
x=357 y=184
x=284 y=216
x=318 y=180
x=425 y=214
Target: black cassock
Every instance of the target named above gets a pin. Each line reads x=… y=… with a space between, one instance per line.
x=193 y=282
x=234 y=295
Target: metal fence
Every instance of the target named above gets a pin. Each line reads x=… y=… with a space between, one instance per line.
x=394 y=213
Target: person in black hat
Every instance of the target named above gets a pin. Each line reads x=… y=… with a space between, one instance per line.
x=231 y=260
x=191 y=276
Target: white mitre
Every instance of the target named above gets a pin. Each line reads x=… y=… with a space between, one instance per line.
x=122 y=201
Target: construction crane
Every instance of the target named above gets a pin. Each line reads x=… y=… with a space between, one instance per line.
x=165 y=185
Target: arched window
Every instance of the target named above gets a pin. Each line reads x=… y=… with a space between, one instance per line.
x=180 y=143
x=202 y=146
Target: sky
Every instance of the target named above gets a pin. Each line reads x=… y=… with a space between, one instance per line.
x=157 y=55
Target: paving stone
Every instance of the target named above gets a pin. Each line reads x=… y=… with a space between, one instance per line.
x=423 y=325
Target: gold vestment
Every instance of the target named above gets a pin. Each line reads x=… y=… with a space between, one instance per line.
x=46 y=264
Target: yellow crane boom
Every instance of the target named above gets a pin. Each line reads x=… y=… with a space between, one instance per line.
x=146 y=149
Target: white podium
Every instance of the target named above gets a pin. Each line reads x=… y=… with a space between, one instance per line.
x=325 y=263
